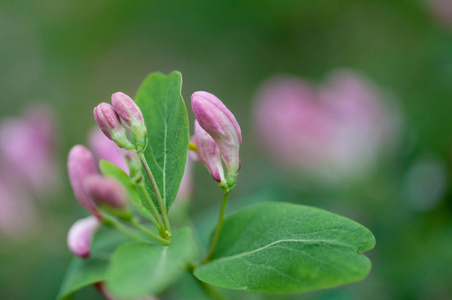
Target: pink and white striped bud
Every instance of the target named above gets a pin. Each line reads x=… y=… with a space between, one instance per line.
x=218 y=121
x=81 y=235
x=110 y=124
x=106 y=191
x=208 y=152
x=130 y=113
x=80 y=165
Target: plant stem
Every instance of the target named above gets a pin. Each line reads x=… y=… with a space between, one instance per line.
x=218 y=230
x=112 y=222
x=143 y=211
x=149 y=233
x=160 y=225
x=162 y=205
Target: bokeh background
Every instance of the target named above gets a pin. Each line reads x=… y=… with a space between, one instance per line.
x=66 y=56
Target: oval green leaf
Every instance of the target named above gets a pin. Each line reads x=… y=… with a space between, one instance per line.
x=85 y=272
x=287 y=248
x=141 y=269
x=165 y=115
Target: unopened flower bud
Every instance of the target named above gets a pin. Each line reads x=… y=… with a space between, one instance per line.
x=81 y=165
x=109 y=194
x=133 y=162
x=218 y=121
x=110 y=124
x=208 y=152
x=81 y=235
x=130 y=113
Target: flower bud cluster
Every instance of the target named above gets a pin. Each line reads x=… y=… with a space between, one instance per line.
x=114 y=119
x=95 y=193
x=217 y=137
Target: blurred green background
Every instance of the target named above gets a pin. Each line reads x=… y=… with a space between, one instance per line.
x=73 y=54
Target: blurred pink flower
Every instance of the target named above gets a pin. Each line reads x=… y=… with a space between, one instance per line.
x=17 y=211
x=28 y=168
x=442 y=9
x=27 y=146
x=334 y=131
x=104 y=148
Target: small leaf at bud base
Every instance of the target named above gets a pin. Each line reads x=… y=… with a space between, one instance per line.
x=110 y=124
x=108 y=194
x=130 y=113
x=133 y=162
x=218 y=121
x=208 y=153
x=81 y=234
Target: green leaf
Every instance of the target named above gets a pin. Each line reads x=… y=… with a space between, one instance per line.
x=160 y=100
x=287 y=248
x=82 y=273
x=85 y=272
x=141 y=269
x=111 y=170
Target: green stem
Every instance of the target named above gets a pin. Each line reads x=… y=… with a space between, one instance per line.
x=149 y=233
x=218 y=230
x=112 y=222
x=145 y=213
x=162 y=205
x=160 y=225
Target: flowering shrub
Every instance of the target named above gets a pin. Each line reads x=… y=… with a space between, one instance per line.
x=273 y=247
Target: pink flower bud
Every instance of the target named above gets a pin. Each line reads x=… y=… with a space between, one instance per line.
x=208 y=153
x=81 y=165
x=81 y=234
x=110 y=124
x=106 y=191
x=130 y=113
x=214 y=117
x=104 y=148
